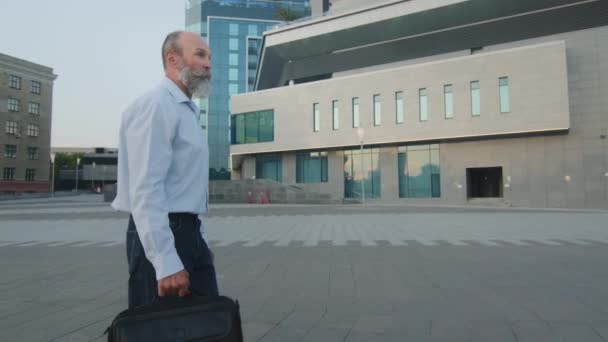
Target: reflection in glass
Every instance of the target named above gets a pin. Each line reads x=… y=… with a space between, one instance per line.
x=354 y=177
x=311 y=167
x=419 y=172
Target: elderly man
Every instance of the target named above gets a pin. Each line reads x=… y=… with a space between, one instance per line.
x=163 y=175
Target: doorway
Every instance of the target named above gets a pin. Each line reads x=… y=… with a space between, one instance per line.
x=484 y=182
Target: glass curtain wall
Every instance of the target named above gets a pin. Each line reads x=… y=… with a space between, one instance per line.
x=419 y=173
x=362 y=170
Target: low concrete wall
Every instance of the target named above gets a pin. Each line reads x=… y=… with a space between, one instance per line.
x=256 y=191
x=252 y=191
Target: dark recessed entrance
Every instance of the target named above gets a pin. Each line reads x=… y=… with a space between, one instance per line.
x=484 y=182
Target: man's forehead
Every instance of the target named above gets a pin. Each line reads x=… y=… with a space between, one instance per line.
x=195 y=41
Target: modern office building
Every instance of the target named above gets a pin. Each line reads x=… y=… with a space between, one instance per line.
x=233 y=29
x=434 y=101
x=26 y=98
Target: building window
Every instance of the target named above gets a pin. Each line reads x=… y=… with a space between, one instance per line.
x=233 y=74
x=233 y=59
x=424 y=104
x=253 y=127
x=9 y=174
x=377 y=110
x=503 y=84
x=315 y=118
x=475 y=99
x=11 y=127
x=399 y=109
x=30 y=175
x=233 y=29
x=335 y=114
x=448 y=99
x=362 y=173
x=32 y=130
x=253 y=30
x=233 y=89
x=35 y=87
x=418 y=169
x=34 y=108
x=10 y=151
x=356 y=119
x=311 y=167
x=14 y=82
x=14 y=105
x=32 y=153
x=233 y=44
x=269 y=167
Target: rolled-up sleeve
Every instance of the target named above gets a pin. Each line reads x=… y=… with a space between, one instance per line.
x=150 y=132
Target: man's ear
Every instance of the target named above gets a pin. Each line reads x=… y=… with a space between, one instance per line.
x=171 y=58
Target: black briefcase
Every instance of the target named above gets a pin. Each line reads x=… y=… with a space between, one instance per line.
x=209 y=319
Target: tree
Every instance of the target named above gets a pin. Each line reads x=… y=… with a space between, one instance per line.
x=65 y=161
x=287 y=14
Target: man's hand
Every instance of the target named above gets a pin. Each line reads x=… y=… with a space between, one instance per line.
x=176 y=284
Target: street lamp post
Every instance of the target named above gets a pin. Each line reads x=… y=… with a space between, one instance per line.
x=361 y=134
x=53 y=174
x=77 y=163
x=93 y=177
x=103 y=177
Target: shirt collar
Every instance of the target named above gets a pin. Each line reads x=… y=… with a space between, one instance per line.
x=178 y=94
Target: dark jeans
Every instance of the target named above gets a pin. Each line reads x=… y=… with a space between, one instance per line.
x=192 y=250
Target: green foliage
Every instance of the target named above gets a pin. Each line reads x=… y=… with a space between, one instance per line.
x=287 y=14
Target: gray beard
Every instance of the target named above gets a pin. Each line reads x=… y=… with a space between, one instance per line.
x=196 y=83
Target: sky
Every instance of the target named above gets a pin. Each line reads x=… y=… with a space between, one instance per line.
x=105 y=54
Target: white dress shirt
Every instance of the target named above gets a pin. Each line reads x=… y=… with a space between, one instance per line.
x=163 y=167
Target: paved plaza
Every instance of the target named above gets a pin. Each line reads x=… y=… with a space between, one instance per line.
x=325 y=273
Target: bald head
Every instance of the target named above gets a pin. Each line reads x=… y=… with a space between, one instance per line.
x=177 y=41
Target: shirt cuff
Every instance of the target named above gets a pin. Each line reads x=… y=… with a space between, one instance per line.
x=167 y=265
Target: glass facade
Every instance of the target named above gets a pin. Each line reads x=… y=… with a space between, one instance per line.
x=362 y=170
x=254 y=44
x=418 y=169
x=503 y=84
x=269 y=167
x=475 y=99
x=254 y=127
x=311 y=167
x=233 y=29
